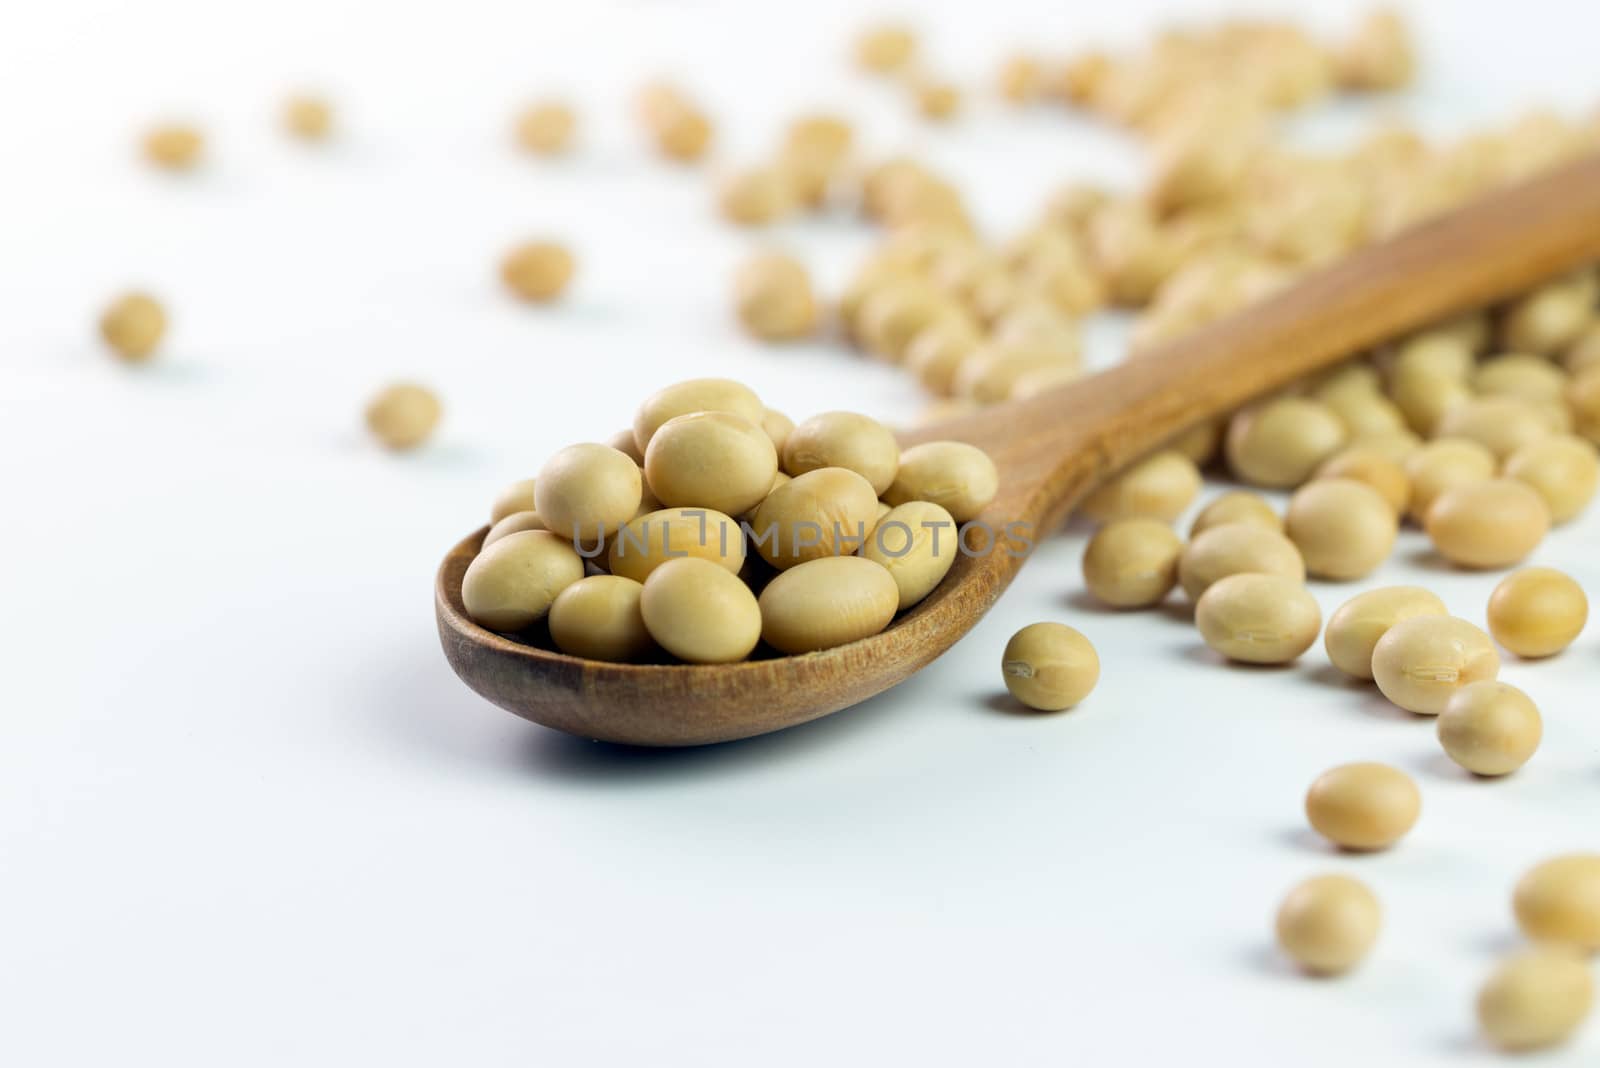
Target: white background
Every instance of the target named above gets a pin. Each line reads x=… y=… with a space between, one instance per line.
x=248 y=816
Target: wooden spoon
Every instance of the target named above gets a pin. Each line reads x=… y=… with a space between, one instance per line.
x=1051 y=449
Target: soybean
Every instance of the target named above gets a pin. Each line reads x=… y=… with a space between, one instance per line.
x=588 y=491
x=778 y=427
x=1548 y=319
x=774 y=299
x=1441 y=465
x=1490 y=728
x=826 y=512
x=1421 y=662
x=757 y=196
x=517 y=497
x=1490 y=524
x=1564 y=469
x=1132 y=563
x=1363 y=806
x=510 y=585
x=308 y=117
x=827 y=602
x=1280 y=443
x=1160 y=487
x=699 y=612
x=133 y=326
x=1236 y=506
x=650 y=540
x=713 y=460
x=694 y=395
x=1537 y=612
x=1354 y=630
x=1237 y=548
x=937 y=352
x=916 y=543
x=599 y=618
x=885 y=48
x=1533 y=379
x=538 y=271
x=403 y=415
x=844 y=439
x=174 y=146
x=623 y=442
x=1558 y=901
x=511 y=524
x=1328 y=924
x=936 y=98
x=1535 y=999
x=1257 y=618
x=1342 y=528
x=1500 y=424
x=958 y=477
x=547 y=128
x=1049 y=666
x=1370 y=465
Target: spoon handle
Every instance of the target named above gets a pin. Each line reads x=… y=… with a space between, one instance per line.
x=1059 y=443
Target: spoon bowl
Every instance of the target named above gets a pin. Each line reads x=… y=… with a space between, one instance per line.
x=1050 y=450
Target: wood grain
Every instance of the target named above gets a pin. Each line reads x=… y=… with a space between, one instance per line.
x=1051 y=449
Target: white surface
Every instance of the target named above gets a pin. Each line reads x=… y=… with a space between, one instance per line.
x=248 y=816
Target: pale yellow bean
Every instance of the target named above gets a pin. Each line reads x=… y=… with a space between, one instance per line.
x=1354 y=630
x=1364 y=806
x=404 y=415
x=1160 y=487
x=699 y=612
x=511 y=524
x=774 y=299
x=714 y=460
x=1049 y=666
x=588 y=491
x=1537 y=612
x=1374 y=468
x=916 y=543
x=1443 y=464
x=1343 y=528
x=510 y=585
x=1500 y=424
x=1421 y=662
x=308 y=117
x=516 y=497
x=1490 y=728
x=1234 y=549
x=133 y=326
x=1237 y=506
x=1257 y=618
x=1280 y=444
x=1132 y=563
x=1535 y=999
x=1490 y=524
x=844 y=439
x=958 y=477
x=648 y=541
x=547 y=128
x=1328 y=924
x=694 y=395
x=538 y=271
x=1558 y=901
x=827 y=512
x=599 y=618
x=1564 y=469
x=827 y=602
